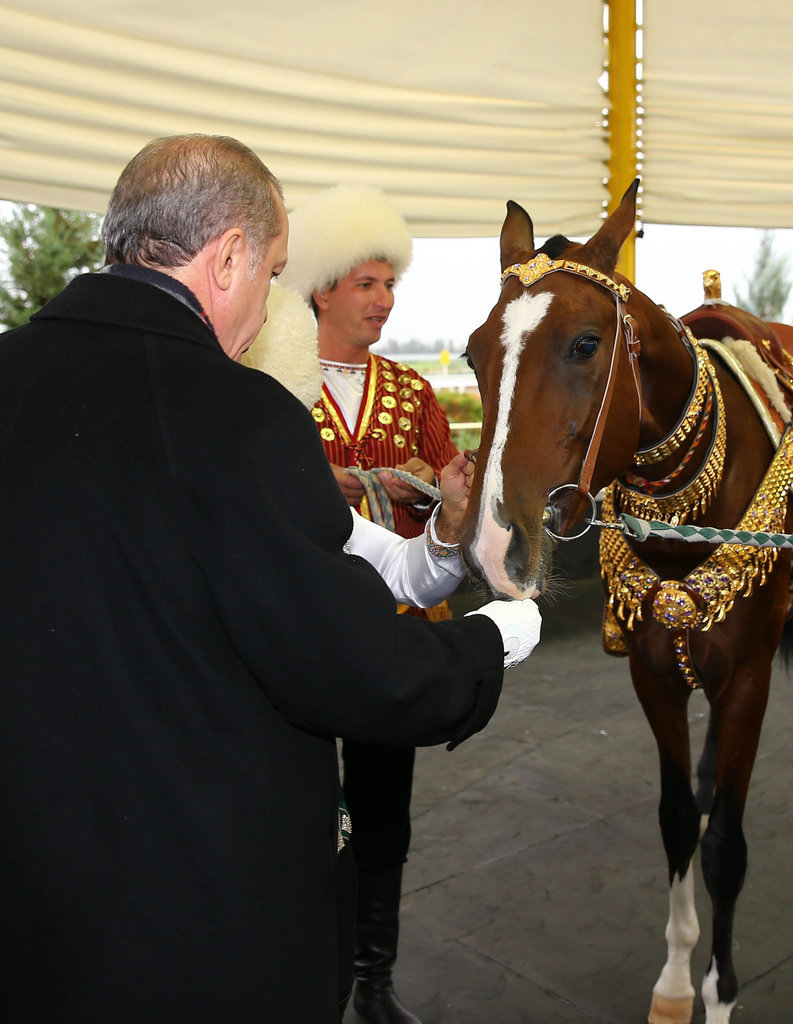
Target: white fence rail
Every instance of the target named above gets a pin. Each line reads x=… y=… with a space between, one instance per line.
x=451 y=381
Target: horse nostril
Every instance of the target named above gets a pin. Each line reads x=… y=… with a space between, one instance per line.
x=518 y=554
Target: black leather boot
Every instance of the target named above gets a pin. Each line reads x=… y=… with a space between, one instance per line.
x=378 y=931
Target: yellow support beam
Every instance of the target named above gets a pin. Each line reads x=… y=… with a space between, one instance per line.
x=622 y=114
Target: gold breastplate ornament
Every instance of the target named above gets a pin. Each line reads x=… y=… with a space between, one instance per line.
x=708 y=593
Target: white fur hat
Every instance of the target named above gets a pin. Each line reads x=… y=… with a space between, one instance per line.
x=339 y=228
x=286 y=347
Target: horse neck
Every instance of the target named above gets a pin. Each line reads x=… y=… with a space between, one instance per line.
x=666 y=371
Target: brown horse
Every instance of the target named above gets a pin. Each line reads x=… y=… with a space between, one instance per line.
x=587 y=384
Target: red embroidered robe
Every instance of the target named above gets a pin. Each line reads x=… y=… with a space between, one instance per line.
x=399 y=418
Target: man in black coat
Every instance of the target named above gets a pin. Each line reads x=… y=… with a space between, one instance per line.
x=174 y=657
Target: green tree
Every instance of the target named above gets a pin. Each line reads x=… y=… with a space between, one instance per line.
x=769 y=286
x=41 y=250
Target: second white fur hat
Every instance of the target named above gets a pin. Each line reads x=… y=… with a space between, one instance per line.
x=339 y=228
x=286 y=347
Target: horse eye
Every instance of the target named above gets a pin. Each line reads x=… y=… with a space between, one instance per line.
x=586 y=345
x=468 y=360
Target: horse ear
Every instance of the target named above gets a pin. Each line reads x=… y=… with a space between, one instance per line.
x=517 y=234
x=604 y=246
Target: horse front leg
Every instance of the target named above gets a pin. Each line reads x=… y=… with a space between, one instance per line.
x=736 y=718
x=665 y=703
x=706 y=773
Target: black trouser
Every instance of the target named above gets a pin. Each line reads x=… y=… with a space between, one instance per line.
x=378 y=781
x=345 y=920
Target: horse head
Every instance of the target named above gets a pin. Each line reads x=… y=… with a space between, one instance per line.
x=548 y=353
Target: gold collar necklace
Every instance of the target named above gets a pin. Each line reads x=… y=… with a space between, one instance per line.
x=639 y=497
x=677 y=437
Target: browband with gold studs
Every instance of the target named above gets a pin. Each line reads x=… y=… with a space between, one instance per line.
x=541 y=264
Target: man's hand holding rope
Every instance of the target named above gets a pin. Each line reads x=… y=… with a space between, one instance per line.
x=455 y=488
x=402 y=490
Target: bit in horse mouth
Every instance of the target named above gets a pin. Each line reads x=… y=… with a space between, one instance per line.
x=552 y=516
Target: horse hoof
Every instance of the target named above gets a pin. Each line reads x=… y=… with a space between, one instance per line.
x=664 y=1010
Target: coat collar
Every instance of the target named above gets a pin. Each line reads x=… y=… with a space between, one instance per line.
x=122 y=301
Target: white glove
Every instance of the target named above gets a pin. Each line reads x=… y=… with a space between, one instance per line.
x=519 y=622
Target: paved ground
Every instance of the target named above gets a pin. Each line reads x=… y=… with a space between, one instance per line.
x=536 y=890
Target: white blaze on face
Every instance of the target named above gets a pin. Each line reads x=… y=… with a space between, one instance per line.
x=521 y=317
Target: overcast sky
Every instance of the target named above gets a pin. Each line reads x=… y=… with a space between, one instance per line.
x=452 y=284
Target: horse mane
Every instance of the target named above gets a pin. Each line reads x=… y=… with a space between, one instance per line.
x=555 y=246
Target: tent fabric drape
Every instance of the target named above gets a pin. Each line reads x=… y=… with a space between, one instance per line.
x=451 y=108
x=718 y=99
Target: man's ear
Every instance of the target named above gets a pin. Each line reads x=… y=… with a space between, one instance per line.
x=229 y=255
x=320 y=297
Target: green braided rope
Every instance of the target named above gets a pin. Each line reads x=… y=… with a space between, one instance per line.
x=379 y=501
x=641 y=529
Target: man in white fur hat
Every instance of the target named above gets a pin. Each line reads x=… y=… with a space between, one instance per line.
x=349 y=246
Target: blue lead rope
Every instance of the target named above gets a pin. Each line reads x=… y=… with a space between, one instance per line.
x=642 y=529
x=637 y=529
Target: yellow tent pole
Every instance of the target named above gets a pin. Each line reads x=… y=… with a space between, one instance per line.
x=622 y=114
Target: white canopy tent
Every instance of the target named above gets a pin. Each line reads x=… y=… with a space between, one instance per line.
x=451 y=108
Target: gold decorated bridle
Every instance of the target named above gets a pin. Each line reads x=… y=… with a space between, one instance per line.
x=538 y=267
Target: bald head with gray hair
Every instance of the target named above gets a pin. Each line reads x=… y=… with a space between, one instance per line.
x=180 y=193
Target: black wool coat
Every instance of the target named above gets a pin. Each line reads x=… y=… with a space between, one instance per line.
x=177 y=653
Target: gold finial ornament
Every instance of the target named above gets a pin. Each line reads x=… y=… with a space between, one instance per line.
x=711 y=282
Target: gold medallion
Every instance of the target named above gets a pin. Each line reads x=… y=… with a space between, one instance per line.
x=674 y=607
x=318 y=414
x=399 y=441
x=327 y=434
x=405 y=423
x=385 y=418
x=389 y=401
